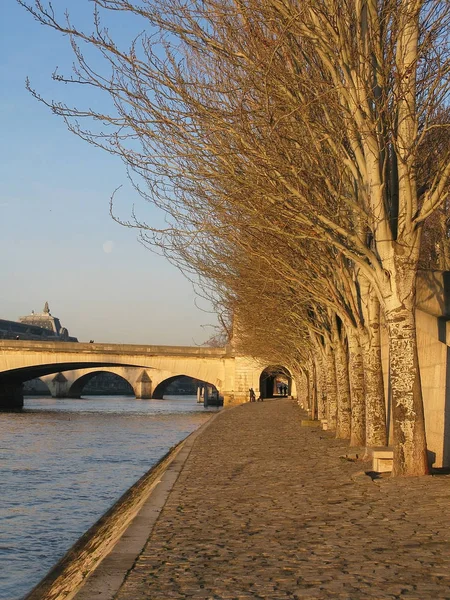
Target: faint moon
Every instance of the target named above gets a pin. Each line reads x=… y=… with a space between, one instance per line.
x=108 y=247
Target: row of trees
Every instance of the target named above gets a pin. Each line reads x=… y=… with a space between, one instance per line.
x=300 y=152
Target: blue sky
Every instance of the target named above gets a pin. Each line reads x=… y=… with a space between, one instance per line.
x=58 y=242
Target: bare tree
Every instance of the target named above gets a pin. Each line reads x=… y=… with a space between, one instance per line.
x=316 y=114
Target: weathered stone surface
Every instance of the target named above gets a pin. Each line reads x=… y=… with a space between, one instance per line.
x=267 y=509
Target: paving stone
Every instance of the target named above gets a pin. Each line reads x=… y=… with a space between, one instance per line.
x=267 y=509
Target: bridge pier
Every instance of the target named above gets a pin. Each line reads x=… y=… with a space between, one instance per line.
x=59 y=386
x=143 y=387
x=11 y=396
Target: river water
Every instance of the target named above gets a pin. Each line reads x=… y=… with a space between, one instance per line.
x=64 y=462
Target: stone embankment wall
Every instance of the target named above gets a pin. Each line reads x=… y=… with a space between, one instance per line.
x=433 y=311
x=434 y=371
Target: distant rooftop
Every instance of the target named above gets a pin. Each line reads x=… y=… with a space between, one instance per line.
x=35 y=326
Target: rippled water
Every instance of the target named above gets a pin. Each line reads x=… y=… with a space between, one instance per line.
x=64 y=462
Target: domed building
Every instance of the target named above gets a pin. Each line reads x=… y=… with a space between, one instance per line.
x=37 y=326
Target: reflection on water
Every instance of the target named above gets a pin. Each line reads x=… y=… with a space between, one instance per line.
x=64 y=462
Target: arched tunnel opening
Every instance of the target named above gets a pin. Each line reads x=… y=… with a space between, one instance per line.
x=100 y=383
x=185 y=386
x=275 y=382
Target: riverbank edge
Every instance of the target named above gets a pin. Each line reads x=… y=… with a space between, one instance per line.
x=68 y=576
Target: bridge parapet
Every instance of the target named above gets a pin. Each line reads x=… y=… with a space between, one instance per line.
x=129 y=349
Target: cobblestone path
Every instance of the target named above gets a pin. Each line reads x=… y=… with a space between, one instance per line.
x=265 y=508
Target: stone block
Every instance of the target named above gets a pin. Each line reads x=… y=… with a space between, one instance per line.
x=382 y=458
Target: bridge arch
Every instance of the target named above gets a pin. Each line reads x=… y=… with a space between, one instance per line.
x=160 y=389
x=40 y=370
x=77 y=386
x=64 y=384
x=270 y=380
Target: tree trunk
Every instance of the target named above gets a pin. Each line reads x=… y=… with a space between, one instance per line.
x=313 y=410
x=308 y=391
x=357 y=391
x=376 y=434
x=321 y=387
x=331 y=408
x=410 y=448
x=300 y=385
x=343 y=423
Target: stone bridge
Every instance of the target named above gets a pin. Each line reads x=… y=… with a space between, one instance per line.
x=64 y=366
